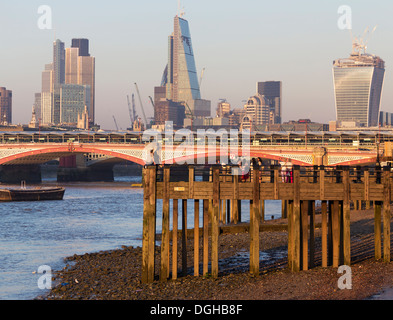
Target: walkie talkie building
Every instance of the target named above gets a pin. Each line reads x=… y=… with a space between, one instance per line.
x=358 y=82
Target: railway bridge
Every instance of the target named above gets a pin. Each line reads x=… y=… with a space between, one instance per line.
x=24 y=152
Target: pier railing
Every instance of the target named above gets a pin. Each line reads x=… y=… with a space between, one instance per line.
x=222 y=188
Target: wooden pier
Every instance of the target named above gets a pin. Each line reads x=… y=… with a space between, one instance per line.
x=221 y=189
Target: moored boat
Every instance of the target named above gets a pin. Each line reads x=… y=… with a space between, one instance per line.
x=31 y=194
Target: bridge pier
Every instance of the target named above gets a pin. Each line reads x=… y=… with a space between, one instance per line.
x=74 y=169
x=88 y=174
x=15 y=174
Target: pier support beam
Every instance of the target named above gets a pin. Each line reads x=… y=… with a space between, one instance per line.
x=149 y=224
x=254 y=224
x=377 y=231
x=346 y=219
x=386 y=214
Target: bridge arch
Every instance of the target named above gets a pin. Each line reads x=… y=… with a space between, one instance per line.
x=44 y=154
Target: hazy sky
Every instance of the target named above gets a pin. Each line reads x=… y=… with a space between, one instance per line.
x=238 y=42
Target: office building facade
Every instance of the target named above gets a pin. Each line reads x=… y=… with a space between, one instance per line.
x=71 y=72
x=272 y=91
x=180 y=76
x=358 y=82
x=58 y=63
x=5 y=106
x=73 y=101
x=80 y=69
x=257 y=112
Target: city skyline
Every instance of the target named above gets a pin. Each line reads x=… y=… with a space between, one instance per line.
x=295 y=43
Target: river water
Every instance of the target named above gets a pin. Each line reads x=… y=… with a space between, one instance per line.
x=91 y=218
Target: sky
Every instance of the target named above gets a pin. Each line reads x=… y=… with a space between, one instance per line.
x=237 y=42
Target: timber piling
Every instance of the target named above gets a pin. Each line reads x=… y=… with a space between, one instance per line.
x=220 y=190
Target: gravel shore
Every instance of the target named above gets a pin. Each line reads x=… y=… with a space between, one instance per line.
x=116 y=275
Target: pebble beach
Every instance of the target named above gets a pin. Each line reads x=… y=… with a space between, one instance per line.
x=116 y=274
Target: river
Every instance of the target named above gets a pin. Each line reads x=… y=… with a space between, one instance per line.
x=91 y=218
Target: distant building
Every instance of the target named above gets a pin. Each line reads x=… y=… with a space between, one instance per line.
x=167 y=110
x=257 y=112
x=82 y=45
x=180 y=76
x=80 y=69
x=34 y=123
x=385 y=119
x=235 y=117
x=358 y=82
x=272 y=91
x=74 y=99
x=5 y=106
x=83 y=119
x=58 y=63
x=299 y=125
x=37 y=105
x=223 y=109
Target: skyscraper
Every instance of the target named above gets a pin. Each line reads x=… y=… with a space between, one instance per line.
x=45 y=113
x=180 y=76
x=5 y=106
x=65 y=83
x=74 y=99
x=58 y=63
x=272 y=90
x=82 y=45
x=80 y=69
x=358 y=82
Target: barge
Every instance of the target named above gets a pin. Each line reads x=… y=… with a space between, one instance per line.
x=31 y=194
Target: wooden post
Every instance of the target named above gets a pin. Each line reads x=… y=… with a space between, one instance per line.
x=290 y=234
x=304 y=234
x=262 y=210
x=346 y=218
x=322 y=182
x=235 y=202
x=284 y=209
x=165 y=228
x=324 y=234
x=311 y=212
x=206 y=211
x=184 y=237
x=254 y=225
x=377 y=230
x=174 y=237
x=276 y=181
x=215 y=216
x=336 y=233
x=386 y=214
x=330 y=232
x=149 y=224
x=296 y=220
x=196 y=238
x=367 y=187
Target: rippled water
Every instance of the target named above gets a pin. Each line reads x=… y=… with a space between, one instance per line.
x=92 y=217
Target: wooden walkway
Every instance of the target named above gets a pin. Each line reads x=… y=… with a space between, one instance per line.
x=220 y=190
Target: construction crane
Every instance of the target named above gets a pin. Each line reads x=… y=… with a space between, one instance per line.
x=135 y=116
x=117 y=127
x=190 y=114
x=152 y=102
x=140 y=101
x=130 y=111
x=200 y=80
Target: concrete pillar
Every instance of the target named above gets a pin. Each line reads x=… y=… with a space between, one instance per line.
x=15 y=174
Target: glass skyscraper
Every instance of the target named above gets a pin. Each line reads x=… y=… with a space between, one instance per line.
x=358 y=82
x=180 y=76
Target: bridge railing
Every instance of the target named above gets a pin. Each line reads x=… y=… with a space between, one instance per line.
x=274 y=173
